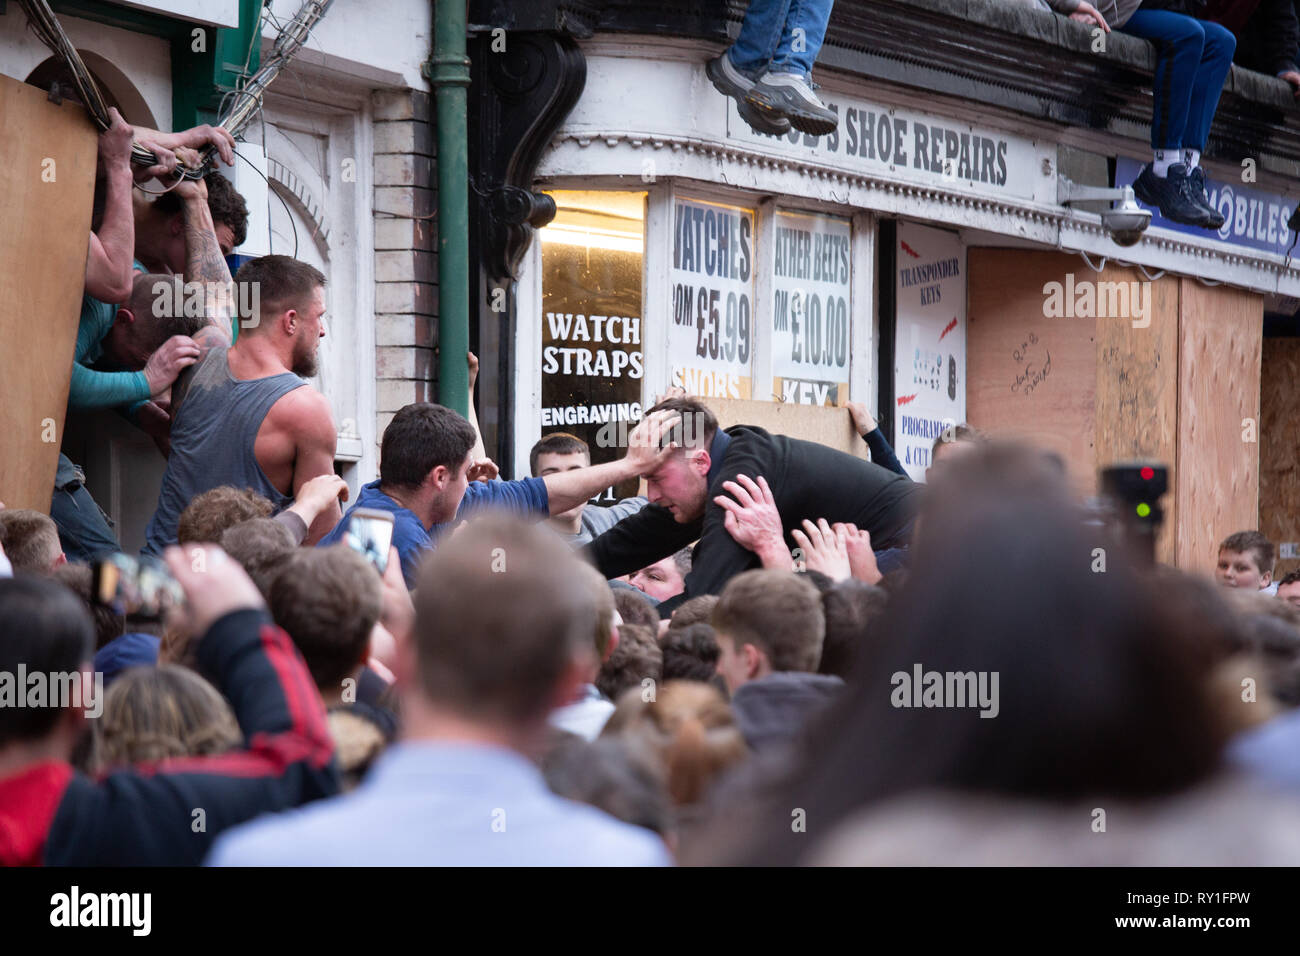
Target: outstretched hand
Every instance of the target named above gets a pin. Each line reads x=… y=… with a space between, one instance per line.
x=752 y=519
x=824 y=548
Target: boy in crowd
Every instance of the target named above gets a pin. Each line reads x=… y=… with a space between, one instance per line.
x=1245 y=561
x=1288 y=589
x=560 y=452
x=769 y=628
x=587 y=713
x=31 y=540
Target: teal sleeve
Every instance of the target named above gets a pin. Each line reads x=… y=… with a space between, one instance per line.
x=92 y=389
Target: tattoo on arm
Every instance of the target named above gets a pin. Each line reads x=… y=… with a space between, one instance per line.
x=205 y=264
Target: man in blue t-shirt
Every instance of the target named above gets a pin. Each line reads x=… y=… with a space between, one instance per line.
x=429 y=478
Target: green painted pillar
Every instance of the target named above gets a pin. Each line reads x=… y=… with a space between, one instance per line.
x=448 y=72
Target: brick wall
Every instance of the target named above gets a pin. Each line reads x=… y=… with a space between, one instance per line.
x=406 y=265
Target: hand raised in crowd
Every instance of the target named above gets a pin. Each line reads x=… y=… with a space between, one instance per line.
x=214 y=585
x=168 y=361
x=473 y=370
x=862 y=558
x=317 y=494
x=753 y=521
x=644 y=445
x=824 y=548
x=483 y=469
x=862 y=420
x=1087 y=13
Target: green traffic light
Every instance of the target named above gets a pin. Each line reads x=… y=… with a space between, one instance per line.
x=1143 y=510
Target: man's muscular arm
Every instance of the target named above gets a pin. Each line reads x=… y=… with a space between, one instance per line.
x=308 y=419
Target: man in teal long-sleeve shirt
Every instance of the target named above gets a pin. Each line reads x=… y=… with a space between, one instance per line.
x=143 y=352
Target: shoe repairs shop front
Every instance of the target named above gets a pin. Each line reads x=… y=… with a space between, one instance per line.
x=916 y=259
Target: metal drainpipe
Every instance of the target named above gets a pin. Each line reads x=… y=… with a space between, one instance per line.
x=448 y=73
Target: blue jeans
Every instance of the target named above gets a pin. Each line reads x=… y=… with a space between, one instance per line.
x=84 y=529
x=1192 y=61
x=768 y=37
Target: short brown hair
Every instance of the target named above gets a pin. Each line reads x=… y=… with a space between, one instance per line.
x=1252 y=543
x=637 y=658
x=30 y=540
x=261 y=546
x=500 y=616
x=208 y=515
x=557 y=443
x=698 y=610
x=634 y=608
x=698 y=425
x=282 y=283
x=602 y=599
x=327 y=600
x=779 y=613
x=691 y=728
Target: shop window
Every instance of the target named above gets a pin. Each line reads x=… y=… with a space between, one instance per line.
x=711 y=337
x=591 y=320
x=812 y=306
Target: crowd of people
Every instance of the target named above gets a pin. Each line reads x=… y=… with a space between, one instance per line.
x=503 y=693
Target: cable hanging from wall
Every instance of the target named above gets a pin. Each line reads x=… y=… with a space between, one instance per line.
x=248 y=103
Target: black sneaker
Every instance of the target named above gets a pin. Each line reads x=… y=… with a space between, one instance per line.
x=1196 y=182
x=729 y=81
x=789 y=94
x=1172 y=196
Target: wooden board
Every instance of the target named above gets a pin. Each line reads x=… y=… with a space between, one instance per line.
x=1137 y=389
x=43 y=240
x=1279 y=440
x=822 y=424
x=1220 y=337
x=1009 y=342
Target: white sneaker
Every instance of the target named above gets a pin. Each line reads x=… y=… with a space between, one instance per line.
x=789 y=94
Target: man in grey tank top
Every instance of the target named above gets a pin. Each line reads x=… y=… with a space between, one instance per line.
x=242 y=415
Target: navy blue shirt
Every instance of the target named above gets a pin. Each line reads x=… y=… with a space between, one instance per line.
x=526 y=497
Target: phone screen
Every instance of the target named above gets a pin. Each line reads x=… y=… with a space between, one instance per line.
x=141 y=588
x=370 y=536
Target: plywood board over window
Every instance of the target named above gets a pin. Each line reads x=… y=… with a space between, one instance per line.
x=1164 y=371
x=1220 y=338
x=1279 y=440
x=47 y=179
